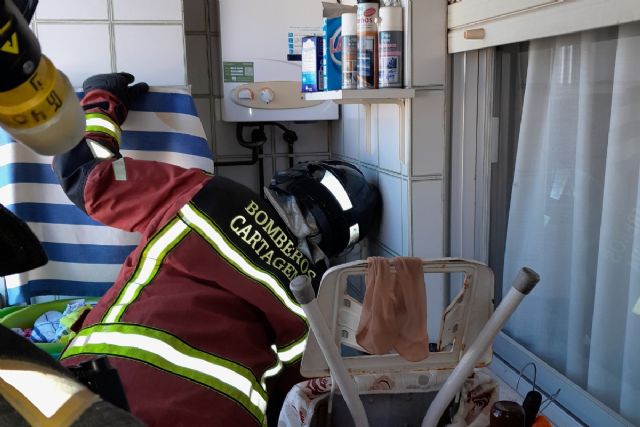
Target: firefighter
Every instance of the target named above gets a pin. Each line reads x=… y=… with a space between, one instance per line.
x=200 y=323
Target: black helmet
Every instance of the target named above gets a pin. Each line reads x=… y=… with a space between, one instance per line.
x=338 y=196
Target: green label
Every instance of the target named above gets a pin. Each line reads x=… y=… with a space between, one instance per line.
x=238 y=72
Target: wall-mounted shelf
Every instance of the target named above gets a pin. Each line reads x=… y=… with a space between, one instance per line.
x=362 y=96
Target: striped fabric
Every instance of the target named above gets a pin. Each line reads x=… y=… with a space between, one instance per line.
x=85 y=256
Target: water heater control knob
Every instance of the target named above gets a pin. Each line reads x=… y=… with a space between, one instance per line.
x=267 y=95
x=245 y=94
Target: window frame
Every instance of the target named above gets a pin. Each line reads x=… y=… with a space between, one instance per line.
x=497 y=23
x=474 y=147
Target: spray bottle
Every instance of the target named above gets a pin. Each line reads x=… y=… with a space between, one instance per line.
x=390 y=45
x=349 y=51
x=367 y=16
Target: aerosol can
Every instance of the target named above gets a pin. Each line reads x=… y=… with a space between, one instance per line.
x=367 y=16
x=349 y=51
x=390 y=47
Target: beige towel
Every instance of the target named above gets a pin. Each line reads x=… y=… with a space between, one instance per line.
x=394 y=312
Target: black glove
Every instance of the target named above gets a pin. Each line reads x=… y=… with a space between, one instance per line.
x=118 y=85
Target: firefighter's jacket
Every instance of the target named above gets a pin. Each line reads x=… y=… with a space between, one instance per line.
x=201 y=315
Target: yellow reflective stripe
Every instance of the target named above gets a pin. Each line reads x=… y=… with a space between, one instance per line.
x=97 y=122
x=293 y=352
x=170 y=354
x=204 y=227
x=150 y=260
x=273 y=371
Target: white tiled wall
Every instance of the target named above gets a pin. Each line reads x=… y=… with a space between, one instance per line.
x=147 y=10
x=411 y=186
x=77 y=55
x=143 y=37
x=147 y=38
x=410 y=172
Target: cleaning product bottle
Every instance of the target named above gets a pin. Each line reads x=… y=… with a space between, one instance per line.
x=349 y=51
x=367 y=15
x=390 y=47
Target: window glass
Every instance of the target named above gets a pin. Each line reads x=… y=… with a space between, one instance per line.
x=566 y=202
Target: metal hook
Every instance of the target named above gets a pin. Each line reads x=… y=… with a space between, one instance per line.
x=549 y=401
x=535 y=375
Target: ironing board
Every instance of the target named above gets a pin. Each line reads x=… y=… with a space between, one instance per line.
x=84 y=255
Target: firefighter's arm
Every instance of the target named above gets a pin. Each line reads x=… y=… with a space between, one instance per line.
x=117 y=191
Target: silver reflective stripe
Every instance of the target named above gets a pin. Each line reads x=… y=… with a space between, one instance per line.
x=148 y=266
x=354 y=233
x=99 y=151
x=636 y=309
x=207 y=230
x=335 y=187
x=170 y=358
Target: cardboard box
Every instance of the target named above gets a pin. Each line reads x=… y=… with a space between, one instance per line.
x=332 y=55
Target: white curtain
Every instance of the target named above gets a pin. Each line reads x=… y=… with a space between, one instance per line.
x=575 y=211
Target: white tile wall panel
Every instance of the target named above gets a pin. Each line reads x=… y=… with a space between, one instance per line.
x=378 y=250
x=153 y=53
x=203 y=106
x=216 y=73
x=247 y=175
x=427 y=218
x=282 y=163
x=369 y=143
x=312 y=137
x=269 y=168
x=371 y=174
x=389 y=137
x=391 y=234
x=227 y=144
x=195 y=15
x=336 y=137
x=406 y=219
x=72 y=9
x=197 y=64
x=214 y=15
x=78 y=50
x=268 y=148
x=429 y=42
x=428 y=132
x=351 y=130
x=147 y=10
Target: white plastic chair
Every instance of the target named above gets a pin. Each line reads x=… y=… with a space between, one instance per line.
x=467 y=330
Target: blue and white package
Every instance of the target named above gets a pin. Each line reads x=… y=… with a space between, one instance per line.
x=312 y=70
x=332 y=56
x=44 y=328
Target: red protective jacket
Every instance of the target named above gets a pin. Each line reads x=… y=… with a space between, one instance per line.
x=201 y=314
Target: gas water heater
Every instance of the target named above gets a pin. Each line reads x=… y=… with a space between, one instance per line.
x=261 y=60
